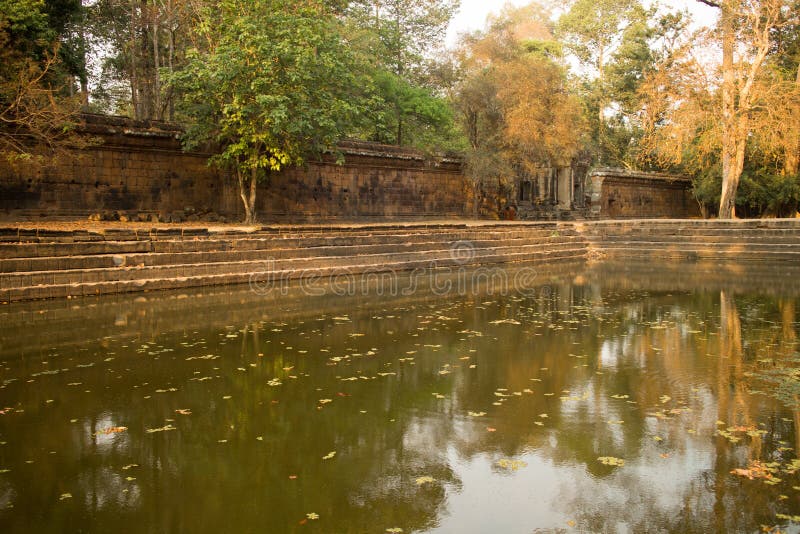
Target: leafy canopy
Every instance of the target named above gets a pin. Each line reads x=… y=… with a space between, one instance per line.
x=269 y=85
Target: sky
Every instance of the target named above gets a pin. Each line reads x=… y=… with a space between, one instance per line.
x=472 y=14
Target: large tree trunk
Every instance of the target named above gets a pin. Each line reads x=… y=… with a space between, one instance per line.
x=730 y=178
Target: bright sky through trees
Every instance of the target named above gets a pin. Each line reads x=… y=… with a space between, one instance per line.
x=473 y=13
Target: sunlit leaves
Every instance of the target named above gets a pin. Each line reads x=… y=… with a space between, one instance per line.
x=612 y=461
x=269 y=88
x=511 y=465
x=112 y=430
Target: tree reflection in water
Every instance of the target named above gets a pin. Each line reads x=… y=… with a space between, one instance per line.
x=648 y=365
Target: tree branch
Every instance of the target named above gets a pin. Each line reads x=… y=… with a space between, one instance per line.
x=711 y=3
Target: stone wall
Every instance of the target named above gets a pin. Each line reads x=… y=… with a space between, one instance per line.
x=620 y=194
x=139 y=168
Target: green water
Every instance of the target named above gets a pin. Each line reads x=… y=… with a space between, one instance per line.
x=472 y=412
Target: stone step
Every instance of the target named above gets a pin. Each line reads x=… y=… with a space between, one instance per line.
x=248 y=242
x=34 y=250
x=675 y=230
x=698 y=223
x=765 y=254
x=13 y=265
x=200 y=279
x=700 y=242
x=322 y=241
x=32 y=278
x=43 y=235
x=23 y=279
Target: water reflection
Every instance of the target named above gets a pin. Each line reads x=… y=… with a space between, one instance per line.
x=475 y=413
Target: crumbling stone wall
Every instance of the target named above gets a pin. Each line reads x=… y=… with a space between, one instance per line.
x=620 y=194
x=138 y=168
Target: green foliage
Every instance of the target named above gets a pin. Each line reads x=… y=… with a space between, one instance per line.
x=617 y=43
x=761 y=192
x=36 y=118
x=271 y=88
x=393 y=41
x=36 y=28
x=590 y=28
x=427 y=119
x=766 y=194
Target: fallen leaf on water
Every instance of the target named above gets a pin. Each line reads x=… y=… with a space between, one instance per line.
x=756 y=469
x=394 y=530
x=161 y=429
x=490 y=429
x=312 y=516
x=65 y=496
x=184 y=411
x=476 y=414
x=570 y=523
x=610 y=460
x=512 y=465
x=292 y=477
x=112 y=430
x=665 y=399
x=329 y=455
x=424 y=480
x=325 y=401
x=129 y=466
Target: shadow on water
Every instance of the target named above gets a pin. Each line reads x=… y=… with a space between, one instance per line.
x=482 y=407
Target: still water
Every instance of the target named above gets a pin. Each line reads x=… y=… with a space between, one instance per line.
x=598 y=399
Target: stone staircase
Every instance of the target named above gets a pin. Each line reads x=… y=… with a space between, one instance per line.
x=37 y=264
x=767 y=240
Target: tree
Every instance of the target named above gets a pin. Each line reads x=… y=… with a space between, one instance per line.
x=268 y=87
x=711 y=118
x=514 y=103
x=136 y=41
x=396 y=39
x=614 y=42
x=36 y=118
x=744 y=30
